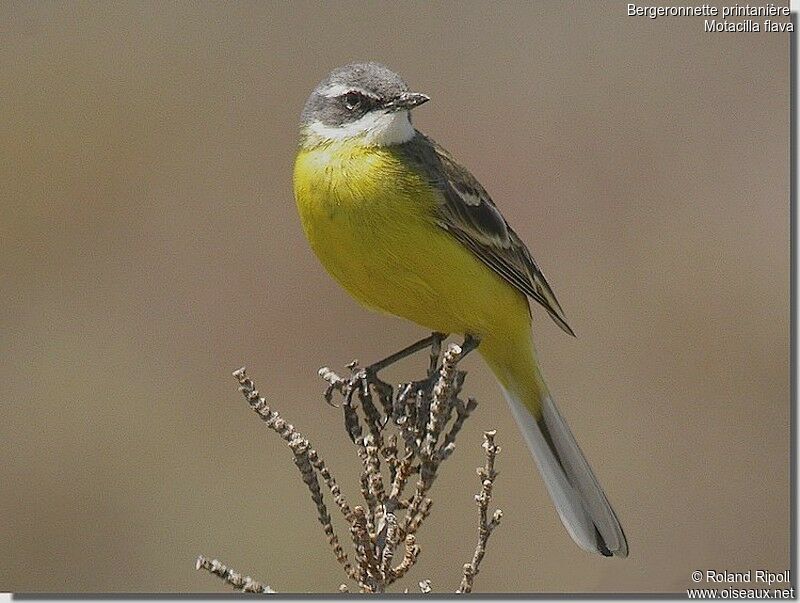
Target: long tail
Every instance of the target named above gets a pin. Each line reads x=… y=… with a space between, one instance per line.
x=580 y=501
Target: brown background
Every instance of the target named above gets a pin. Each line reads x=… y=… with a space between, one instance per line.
x=150 y=246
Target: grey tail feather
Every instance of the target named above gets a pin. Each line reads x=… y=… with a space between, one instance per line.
x=580 y=501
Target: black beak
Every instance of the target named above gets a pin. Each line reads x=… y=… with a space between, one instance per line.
x=407 y=101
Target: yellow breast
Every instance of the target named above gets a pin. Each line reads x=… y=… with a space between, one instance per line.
x=371 y=221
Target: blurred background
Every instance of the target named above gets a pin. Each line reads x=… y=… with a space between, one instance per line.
x=149 y=245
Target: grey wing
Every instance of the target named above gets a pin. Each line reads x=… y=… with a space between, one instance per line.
x=468 y=213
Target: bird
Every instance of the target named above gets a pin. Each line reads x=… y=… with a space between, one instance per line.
x=408 y=231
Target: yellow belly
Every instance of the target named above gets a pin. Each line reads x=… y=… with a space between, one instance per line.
x=371 y=223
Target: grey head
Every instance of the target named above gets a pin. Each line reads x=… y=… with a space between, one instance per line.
x=367 y=102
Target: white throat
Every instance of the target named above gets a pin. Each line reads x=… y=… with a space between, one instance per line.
x=377 y=128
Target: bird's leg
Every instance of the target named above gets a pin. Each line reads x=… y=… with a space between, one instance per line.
x=470 y=343
x=434 y=341
x=436 y=350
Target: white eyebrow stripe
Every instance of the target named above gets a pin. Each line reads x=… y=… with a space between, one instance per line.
x=335 y=90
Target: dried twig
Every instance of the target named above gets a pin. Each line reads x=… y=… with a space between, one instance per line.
x=486 y=526
x=303 y=454
x=397 y=434
x=231 y=577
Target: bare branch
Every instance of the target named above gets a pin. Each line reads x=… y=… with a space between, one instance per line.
x=409 y=558
x=402 y=433
x=388 y=545
x=231 y=577
x=486 y=526
x=441 y=400
x=306 y=459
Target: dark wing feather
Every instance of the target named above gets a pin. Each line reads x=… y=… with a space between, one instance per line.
x=469 y=214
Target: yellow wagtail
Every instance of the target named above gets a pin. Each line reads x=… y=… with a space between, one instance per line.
x=407 y=230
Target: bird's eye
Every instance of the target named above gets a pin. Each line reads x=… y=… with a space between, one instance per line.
x=352 y=100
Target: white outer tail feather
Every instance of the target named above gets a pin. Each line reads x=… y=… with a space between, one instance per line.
x=578 y=497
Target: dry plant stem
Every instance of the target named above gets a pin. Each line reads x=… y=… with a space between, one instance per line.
x=397 y=433
x=486 y=526
x=419 y=506
x=441 y=396
x=231 y=577
x=364 y=553
x=388 y=550
x=409 y=558
x=304 y=454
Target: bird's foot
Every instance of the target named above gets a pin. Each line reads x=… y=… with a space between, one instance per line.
x=364 y=385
